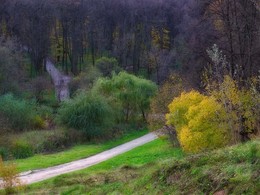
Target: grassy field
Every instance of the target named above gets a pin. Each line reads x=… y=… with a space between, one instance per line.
x=74 y=153
x=156 y=168
x=149 y=153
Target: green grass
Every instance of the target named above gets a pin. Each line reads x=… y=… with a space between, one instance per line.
x=149 y=153
x=74 y=153
x=156 y=168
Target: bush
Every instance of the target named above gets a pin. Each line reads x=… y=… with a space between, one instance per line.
x=200 y=122
x=4 y=153
x=21 y=149
x=43 y=141
x=18 y=114
x=40 y=86
x=107 y=66
x=87 y=112
x=132 y=93
x=85 y=80
x=11 y=183
x=54 y=142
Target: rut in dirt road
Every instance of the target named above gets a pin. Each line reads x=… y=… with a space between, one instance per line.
x=43 y=174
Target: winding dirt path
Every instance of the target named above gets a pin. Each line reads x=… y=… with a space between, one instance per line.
x=43 y=174
x=60 y=81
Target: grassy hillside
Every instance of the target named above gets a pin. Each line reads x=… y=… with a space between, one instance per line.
x=156 y=168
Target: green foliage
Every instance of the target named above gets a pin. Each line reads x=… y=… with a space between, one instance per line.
x=18 y=114
x=45 y=112
x=85 y=80
x=87 y=112
x=45 y=141
x=54 y=142
x=40 y=88
x=4 y=152
x=21 y=149
x=200 y=122
x=131 y=93
x=107 y=66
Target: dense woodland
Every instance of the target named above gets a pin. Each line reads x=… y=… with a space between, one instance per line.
x=147 y=37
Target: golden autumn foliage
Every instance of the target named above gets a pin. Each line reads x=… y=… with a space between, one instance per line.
x=241 y=106
x=200 y=122
x=9 y=180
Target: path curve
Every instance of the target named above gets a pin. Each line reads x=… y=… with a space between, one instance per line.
x=43 y=174
x=60 y=81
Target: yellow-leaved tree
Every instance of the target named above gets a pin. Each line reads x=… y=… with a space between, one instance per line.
x=200 y=122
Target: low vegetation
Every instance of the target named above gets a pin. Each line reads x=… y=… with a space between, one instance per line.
x=17 y=114
x=157 y=168
x=9 y=180
x=75 y=152
x=89 y=113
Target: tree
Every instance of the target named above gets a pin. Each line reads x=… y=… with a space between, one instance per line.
x=170 y=89
x=200 y=122
x=132 y=93
x=107 y=66
x=237 y=24
x=12 y=70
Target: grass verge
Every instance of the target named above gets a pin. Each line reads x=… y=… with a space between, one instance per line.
x=144 y=170
x=74 y=153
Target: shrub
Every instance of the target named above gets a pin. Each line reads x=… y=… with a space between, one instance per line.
x=17 y=113
x=200 y=122
x=45 y=111
x=87 y=112
x=85 y=80
x=107 y=66
x=132 y=93
x=43 y=141
x=54 y=142
x=40 y=86
x=4 y=152
x=21 y=149
x=10 y=181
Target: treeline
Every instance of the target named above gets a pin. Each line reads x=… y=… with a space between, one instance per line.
x=147 y=37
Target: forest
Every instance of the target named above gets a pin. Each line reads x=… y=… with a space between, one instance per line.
x=147 y=37
x=76 y=72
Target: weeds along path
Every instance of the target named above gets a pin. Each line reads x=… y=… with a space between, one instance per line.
x=43 y=174
x=60 y=81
